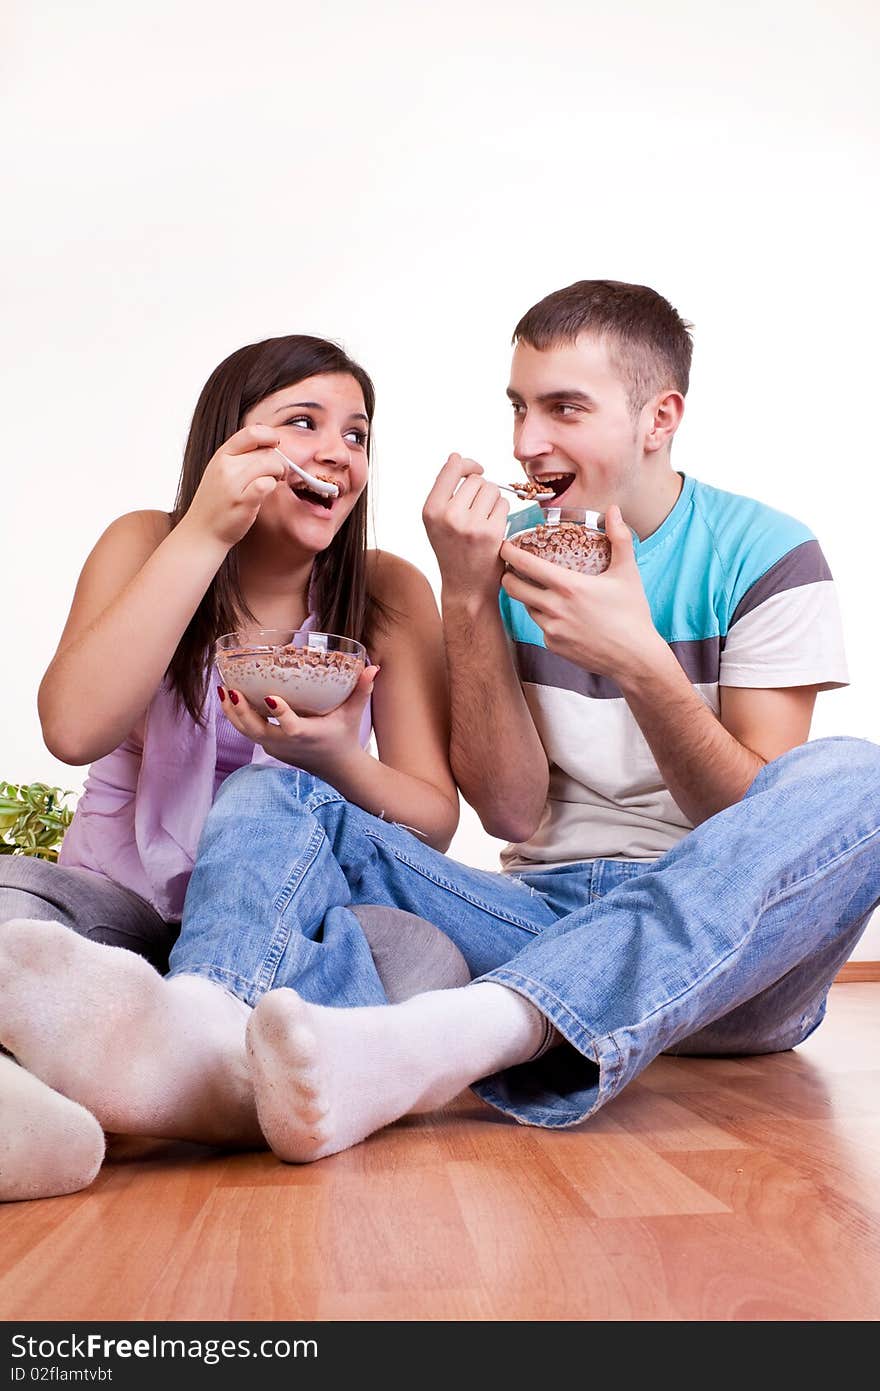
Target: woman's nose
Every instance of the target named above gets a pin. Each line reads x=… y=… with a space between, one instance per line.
x=334 y=449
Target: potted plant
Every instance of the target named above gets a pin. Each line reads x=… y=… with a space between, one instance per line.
x=33 y=819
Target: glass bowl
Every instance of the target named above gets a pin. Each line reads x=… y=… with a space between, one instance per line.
x=570 y=536
x=314 y=672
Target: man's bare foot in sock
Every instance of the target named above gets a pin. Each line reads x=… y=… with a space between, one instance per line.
x=48 y=1145
x=146 y=1056
x=325 y=1079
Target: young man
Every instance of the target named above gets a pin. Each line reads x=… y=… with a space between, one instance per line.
x=595 y=722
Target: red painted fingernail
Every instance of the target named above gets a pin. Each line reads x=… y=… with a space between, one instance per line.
x=221 y=693
x=233 y=697
x=272 y=704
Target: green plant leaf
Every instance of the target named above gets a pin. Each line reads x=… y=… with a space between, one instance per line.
x=33 y=819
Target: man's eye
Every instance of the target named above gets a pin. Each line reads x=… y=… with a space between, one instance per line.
x=518 y=407
x=565 y=408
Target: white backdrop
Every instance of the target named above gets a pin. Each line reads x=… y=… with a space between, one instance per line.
x=409 y=178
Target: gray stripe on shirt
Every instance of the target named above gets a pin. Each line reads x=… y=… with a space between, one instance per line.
x=700 y=660
x=805 y=564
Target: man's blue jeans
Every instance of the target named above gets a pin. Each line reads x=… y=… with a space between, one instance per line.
x=726 y=945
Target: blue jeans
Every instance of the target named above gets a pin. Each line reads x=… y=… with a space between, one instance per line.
x=727 y=944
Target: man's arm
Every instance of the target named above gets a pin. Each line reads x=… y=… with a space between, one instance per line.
x=707 y=763
x=495 y=752
x=604 y=624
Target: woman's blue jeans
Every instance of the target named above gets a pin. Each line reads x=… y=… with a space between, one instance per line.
x=726 y=945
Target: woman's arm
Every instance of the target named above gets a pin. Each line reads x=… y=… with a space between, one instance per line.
x=410 y=782
x=414 y=784
x=138 y=591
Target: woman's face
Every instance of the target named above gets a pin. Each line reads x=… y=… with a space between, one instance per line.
x=322 y=425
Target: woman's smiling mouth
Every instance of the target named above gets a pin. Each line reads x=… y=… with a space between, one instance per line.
x=303 y=493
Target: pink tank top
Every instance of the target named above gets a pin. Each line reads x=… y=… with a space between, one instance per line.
x=142 y=810
x=234 y=749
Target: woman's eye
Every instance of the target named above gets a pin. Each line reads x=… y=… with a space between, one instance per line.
x=303 y=421
x=359 y=437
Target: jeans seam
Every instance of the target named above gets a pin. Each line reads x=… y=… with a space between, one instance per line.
x=268 y=970
x=303 y=864
x=223 y=977
x=316 y=800
x=567 y=1023
x=610 y=1068
x=789 y=889
x=455 y=889
x=272 y=957
x=557 y=1121
x=607 y=1084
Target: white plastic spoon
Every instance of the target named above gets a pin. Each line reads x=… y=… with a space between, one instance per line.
x=316 y=484
x=524 y=493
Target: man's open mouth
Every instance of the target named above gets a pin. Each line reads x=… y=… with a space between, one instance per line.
x=555 y=483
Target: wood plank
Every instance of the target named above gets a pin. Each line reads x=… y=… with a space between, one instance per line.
x=852 y=971
x=730 y=1188
x=619 y=1175
x=779 y=1201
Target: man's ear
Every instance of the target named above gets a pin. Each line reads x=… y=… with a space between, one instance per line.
x=664 y=415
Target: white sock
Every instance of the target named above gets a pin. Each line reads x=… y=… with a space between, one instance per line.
x=48 y=1145
x=146 y=1056
x=326 y=1078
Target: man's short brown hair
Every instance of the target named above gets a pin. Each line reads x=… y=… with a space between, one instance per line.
x=650 y=344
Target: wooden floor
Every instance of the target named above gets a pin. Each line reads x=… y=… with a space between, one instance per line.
x=730 y=1189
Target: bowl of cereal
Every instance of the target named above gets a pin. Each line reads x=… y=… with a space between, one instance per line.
x=313 y=672
x=573 y=537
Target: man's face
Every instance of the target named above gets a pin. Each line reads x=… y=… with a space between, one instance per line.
x=572 y=423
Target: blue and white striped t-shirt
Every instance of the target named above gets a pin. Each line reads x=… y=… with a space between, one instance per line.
x=744 y=597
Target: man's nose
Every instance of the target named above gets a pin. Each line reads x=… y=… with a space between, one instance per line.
x=529 y=441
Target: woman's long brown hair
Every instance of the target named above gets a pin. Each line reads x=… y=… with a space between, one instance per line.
x=342 y=600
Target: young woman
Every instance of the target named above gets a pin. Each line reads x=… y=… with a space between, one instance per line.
x=132 y=690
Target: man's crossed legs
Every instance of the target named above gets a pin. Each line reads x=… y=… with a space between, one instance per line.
x=726 y=945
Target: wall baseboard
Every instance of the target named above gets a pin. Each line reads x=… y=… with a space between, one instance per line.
x=857 y=970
